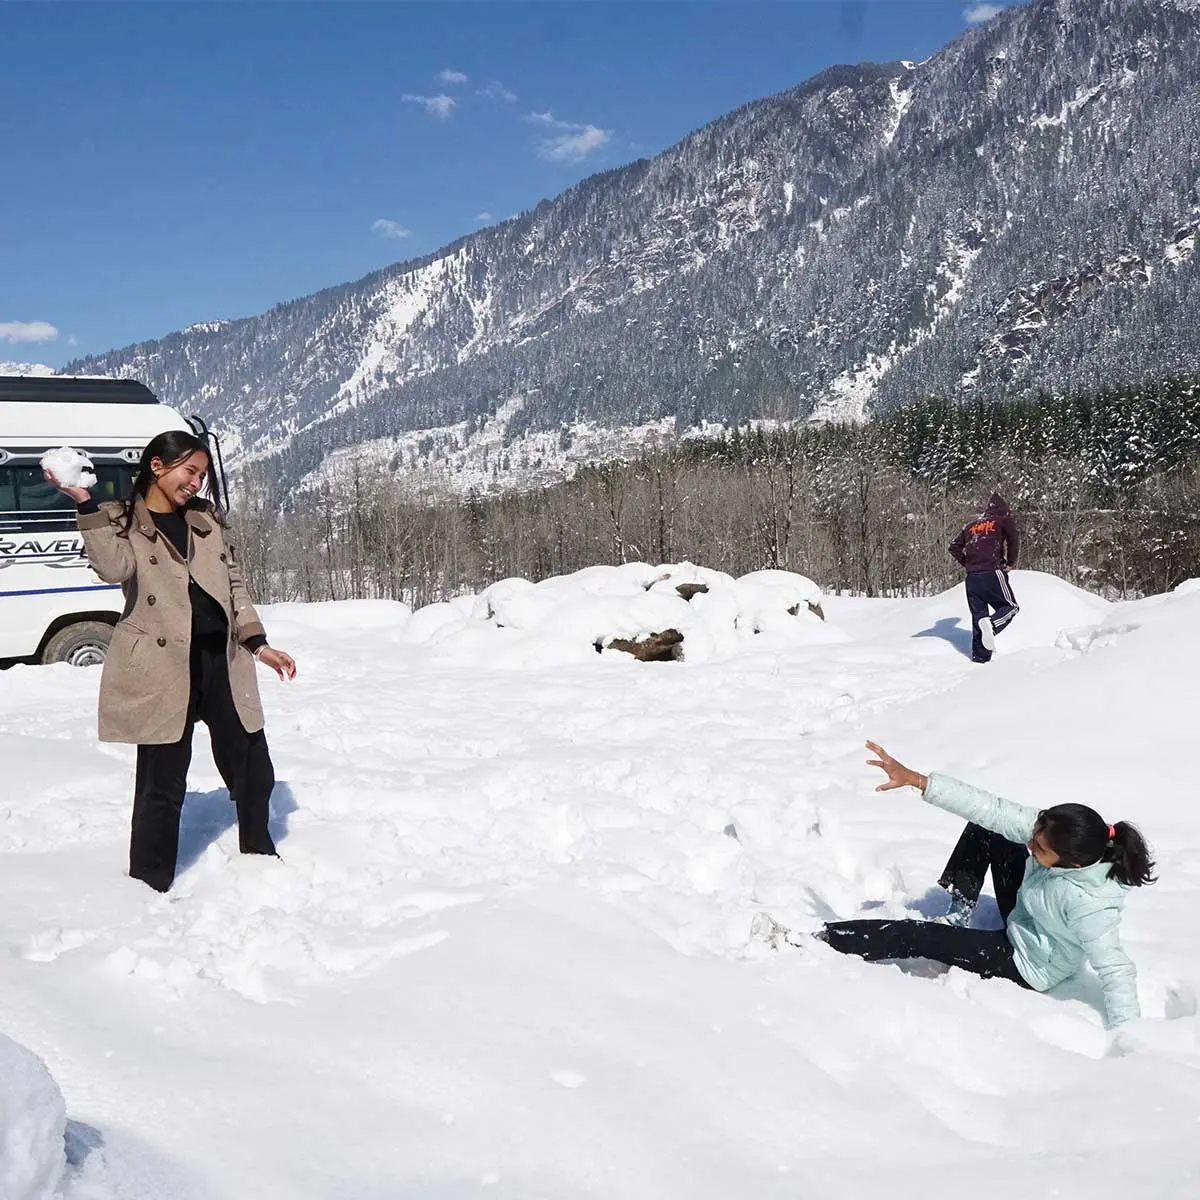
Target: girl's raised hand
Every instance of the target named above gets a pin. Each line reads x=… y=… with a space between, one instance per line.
x=78 y=494
x=898 y=775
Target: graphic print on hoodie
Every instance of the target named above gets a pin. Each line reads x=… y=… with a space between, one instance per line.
x=990 y=542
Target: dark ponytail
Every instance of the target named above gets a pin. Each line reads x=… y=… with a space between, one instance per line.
x=173 y=447
x=1080 y=837
x=1130 y=856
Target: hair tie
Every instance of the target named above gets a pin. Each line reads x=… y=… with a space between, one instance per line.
x=1112 y=833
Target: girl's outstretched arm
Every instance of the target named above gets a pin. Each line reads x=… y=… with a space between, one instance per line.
x=1012 y=821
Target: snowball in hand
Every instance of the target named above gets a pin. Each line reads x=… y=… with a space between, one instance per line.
x=70 y=467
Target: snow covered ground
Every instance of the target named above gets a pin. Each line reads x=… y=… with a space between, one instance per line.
x=505 y=954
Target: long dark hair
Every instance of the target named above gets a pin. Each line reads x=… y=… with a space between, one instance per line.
x=173 y=447
x=1079 y=836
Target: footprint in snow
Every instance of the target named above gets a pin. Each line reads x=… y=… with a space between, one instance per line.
x=46 y=946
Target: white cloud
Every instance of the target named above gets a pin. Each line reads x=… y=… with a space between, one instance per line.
x=978 y=13
x=15 y=332
x=439 y=106
x=447 y=75
x=484 y=216
x=572 y=147
x=390 y=229
x=495 y=90
x=572 y=143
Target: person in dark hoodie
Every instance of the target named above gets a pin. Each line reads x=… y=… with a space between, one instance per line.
x=987 y=547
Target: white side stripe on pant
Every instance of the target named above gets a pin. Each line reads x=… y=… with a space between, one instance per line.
x=1001 y=621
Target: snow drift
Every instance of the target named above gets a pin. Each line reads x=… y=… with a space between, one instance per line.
x=33 y=1123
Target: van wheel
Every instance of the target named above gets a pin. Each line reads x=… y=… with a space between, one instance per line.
x=83 y=644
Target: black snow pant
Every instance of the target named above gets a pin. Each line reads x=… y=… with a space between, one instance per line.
x=242 y=759
x=989 y=592
x=985 y=952
x=977 y=851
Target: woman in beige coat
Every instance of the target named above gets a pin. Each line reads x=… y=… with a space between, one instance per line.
x=183 y=650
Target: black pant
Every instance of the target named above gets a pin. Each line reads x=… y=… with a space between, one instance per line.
x=977 y=851
x=985 y=952
x=989 y=591
x=242 y=759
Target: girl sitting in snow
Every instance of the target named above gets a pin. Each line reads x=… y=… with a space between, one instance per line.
x=182 y=652
x=1061 y=876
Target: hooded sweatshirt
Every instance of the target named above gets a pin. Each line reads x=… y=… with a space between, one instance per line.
x=990 y=541
x=1064 y=916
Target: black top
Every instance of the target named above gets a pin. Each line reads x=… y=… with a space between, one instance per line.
x=208 y=617
x=209 y=625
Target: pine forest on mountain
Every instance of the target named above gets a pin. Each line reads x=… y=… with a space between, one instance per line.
x=1106 y=487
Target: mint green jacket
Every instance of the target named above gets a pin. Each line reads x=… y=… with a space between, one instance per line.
x=1063 y=915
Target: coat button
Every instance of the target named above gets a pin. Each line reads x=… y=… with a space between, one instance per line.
x=151 y=600
x=222 y=558
x=153 y=561
x=162 y=641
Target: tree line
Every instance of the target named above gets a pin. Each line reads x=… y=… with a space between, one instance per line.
x=1106 y=487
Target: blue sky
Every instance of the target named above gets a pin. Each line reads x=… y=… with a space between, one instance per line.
x=173 y=162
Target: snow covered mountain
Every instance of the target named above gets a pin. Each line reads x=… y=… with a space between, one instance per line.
x=21 y=368
x=1021 y=211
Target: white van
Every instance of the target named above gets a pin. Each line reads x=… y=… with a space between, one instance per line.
x=53 y=606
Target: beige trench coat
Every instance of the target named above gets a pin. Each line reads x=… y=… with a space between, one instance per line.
x=146 y=684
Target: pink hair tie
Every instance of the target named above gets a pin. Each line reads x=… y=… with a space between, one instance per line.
x=1112 y=833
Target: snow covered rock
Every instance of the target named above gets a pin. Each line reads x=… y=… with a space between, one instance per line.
x=765 y=591
x=666 y=646
x=33 y=1123
x=70 y=467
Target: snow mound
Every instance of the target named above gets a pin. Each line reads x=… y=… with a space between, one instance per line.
x=430 y=624
x=1125 y=618
x=569 y=618
x=1049 y=608
x=70 y=467
x=33 y=1122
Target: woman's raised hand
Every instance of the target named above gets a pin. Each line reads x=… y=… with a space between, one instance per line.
x=898 y=775
x=78 y=494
